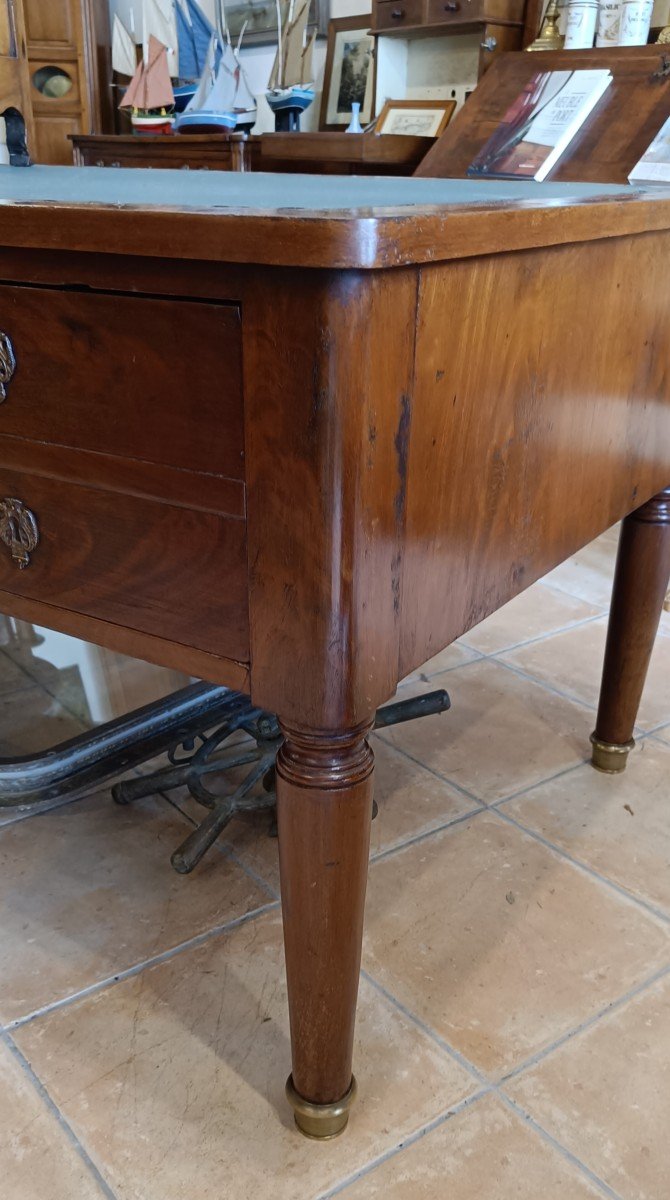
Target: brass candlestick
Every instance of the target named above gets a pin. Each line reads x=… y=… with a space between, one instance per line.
x=549 y=38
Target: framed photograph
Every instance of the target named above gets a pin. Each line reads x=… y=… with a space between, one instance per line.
x=418 y=118
x=261 y=20
x=350 y=72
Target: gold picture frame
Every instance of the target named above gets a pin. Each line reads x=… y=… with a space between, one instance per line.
x=416 y=118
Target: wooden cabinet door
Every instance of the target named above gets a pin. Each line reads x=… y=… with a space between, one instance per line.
x=14 y=83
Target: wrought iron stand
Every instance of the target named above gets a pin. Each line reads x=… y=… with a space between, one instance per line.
x=201 y=728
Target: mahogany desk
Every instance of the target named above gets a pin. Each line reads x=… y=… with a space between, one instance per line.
x=297 y=435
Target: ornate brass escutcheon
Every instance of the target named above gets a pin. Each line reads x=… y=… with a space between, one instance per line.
x=7 y=364
x=18 y=530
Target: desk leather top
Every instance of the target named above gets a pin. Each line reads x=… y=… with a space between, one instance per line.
x=310 y=220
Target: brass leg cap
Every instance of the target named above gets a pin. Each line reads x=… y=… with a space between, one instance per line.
x=610 y=757
x=320 y=1121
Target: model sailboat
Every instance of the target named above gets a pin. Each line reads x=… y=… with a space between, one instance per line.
x=223 y=99
x=291 y=83
x=194 y=34
x=150 y=97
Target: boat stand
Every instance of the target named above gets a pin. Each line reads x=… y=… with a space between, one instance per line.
x=202 y=730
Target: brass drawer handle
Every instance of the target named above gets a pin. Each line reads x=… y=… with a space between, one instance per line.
x=398 y=14
x=18 y=530
x=7 y=364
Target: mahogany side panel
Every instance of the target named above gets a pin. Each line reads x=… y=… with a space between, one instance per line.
x=541 y=415
x=328 y=377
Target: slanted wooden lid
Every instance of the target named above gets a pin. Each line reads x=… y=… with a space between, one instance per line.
x=610 y=141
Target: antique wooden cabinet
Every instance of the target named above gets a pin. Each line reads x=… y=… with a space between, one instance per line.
x=69 y=58
x=498 y=24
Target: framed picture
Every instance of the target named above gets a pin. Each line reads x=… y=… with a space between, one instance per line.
x=350 y=72
x=418 y=118
x=261 y=20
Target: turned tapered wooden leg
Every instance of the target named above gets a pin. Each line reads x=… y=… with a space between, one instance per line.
x=640 y=585
x=324 y=809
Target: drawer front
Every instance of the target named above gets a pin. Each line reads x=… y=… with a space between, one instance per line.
x=134 y=376
x=441 y=12
x=394 y=15
x=142 y=564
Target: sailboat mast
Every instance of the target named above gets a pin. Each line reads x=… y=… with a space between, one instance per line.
x=280 y=54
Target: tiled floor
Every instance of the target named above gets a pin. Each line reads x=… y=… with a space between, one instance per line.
x=514 y=1018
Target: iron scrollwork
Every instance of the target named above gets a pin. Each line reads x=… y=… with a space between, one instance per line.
x=18 y=530
x=7 y=363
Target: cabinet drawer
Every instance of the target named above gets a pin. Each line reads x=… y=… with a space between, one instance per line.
x=142 y=564
x=134 y=376
x=446 y=12
x=394 y=14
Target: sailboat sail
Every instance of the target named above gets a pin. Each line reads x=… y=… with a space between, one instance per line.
x=221 y=97
x=151 y=87
x=194 y=34
x=206 y=79
x=124 y=57
x=295 y=36
x=160 y=22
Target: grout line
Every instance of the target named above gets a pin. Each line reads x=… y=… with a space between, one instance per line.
x=431 y=771
x=547 y=686
x=648 y=907
x=496 y=1088
x=531 y=787
x=444 y=1045
x=415 y=838
x=540 y=637
x=102 y=984
x=410 y=1140
x=62 y=1121
x=562 y=1150
x=588 y=1023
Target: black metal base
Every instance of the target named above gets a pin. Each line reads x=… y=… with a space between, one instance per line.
x=178 y=725
x=287 y=120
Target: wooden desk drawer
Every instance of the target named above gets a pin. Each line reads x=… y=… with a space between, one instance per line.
x=134 y=376
x=143 y=564
x=454 y=12
x=394 y=14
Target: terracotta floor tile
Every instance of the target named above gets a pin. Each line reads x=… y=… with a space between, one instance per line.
x=606 y=1096
x=499 y=945
x=173 y=1079
x=453 y=656
x=573 y=662
x=535 y=613
x=589 y=573
x=484 y=1152
x=37 y=1160
x=87 y=890
x=411 y=801
x=618 y=824
x=503 y=733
